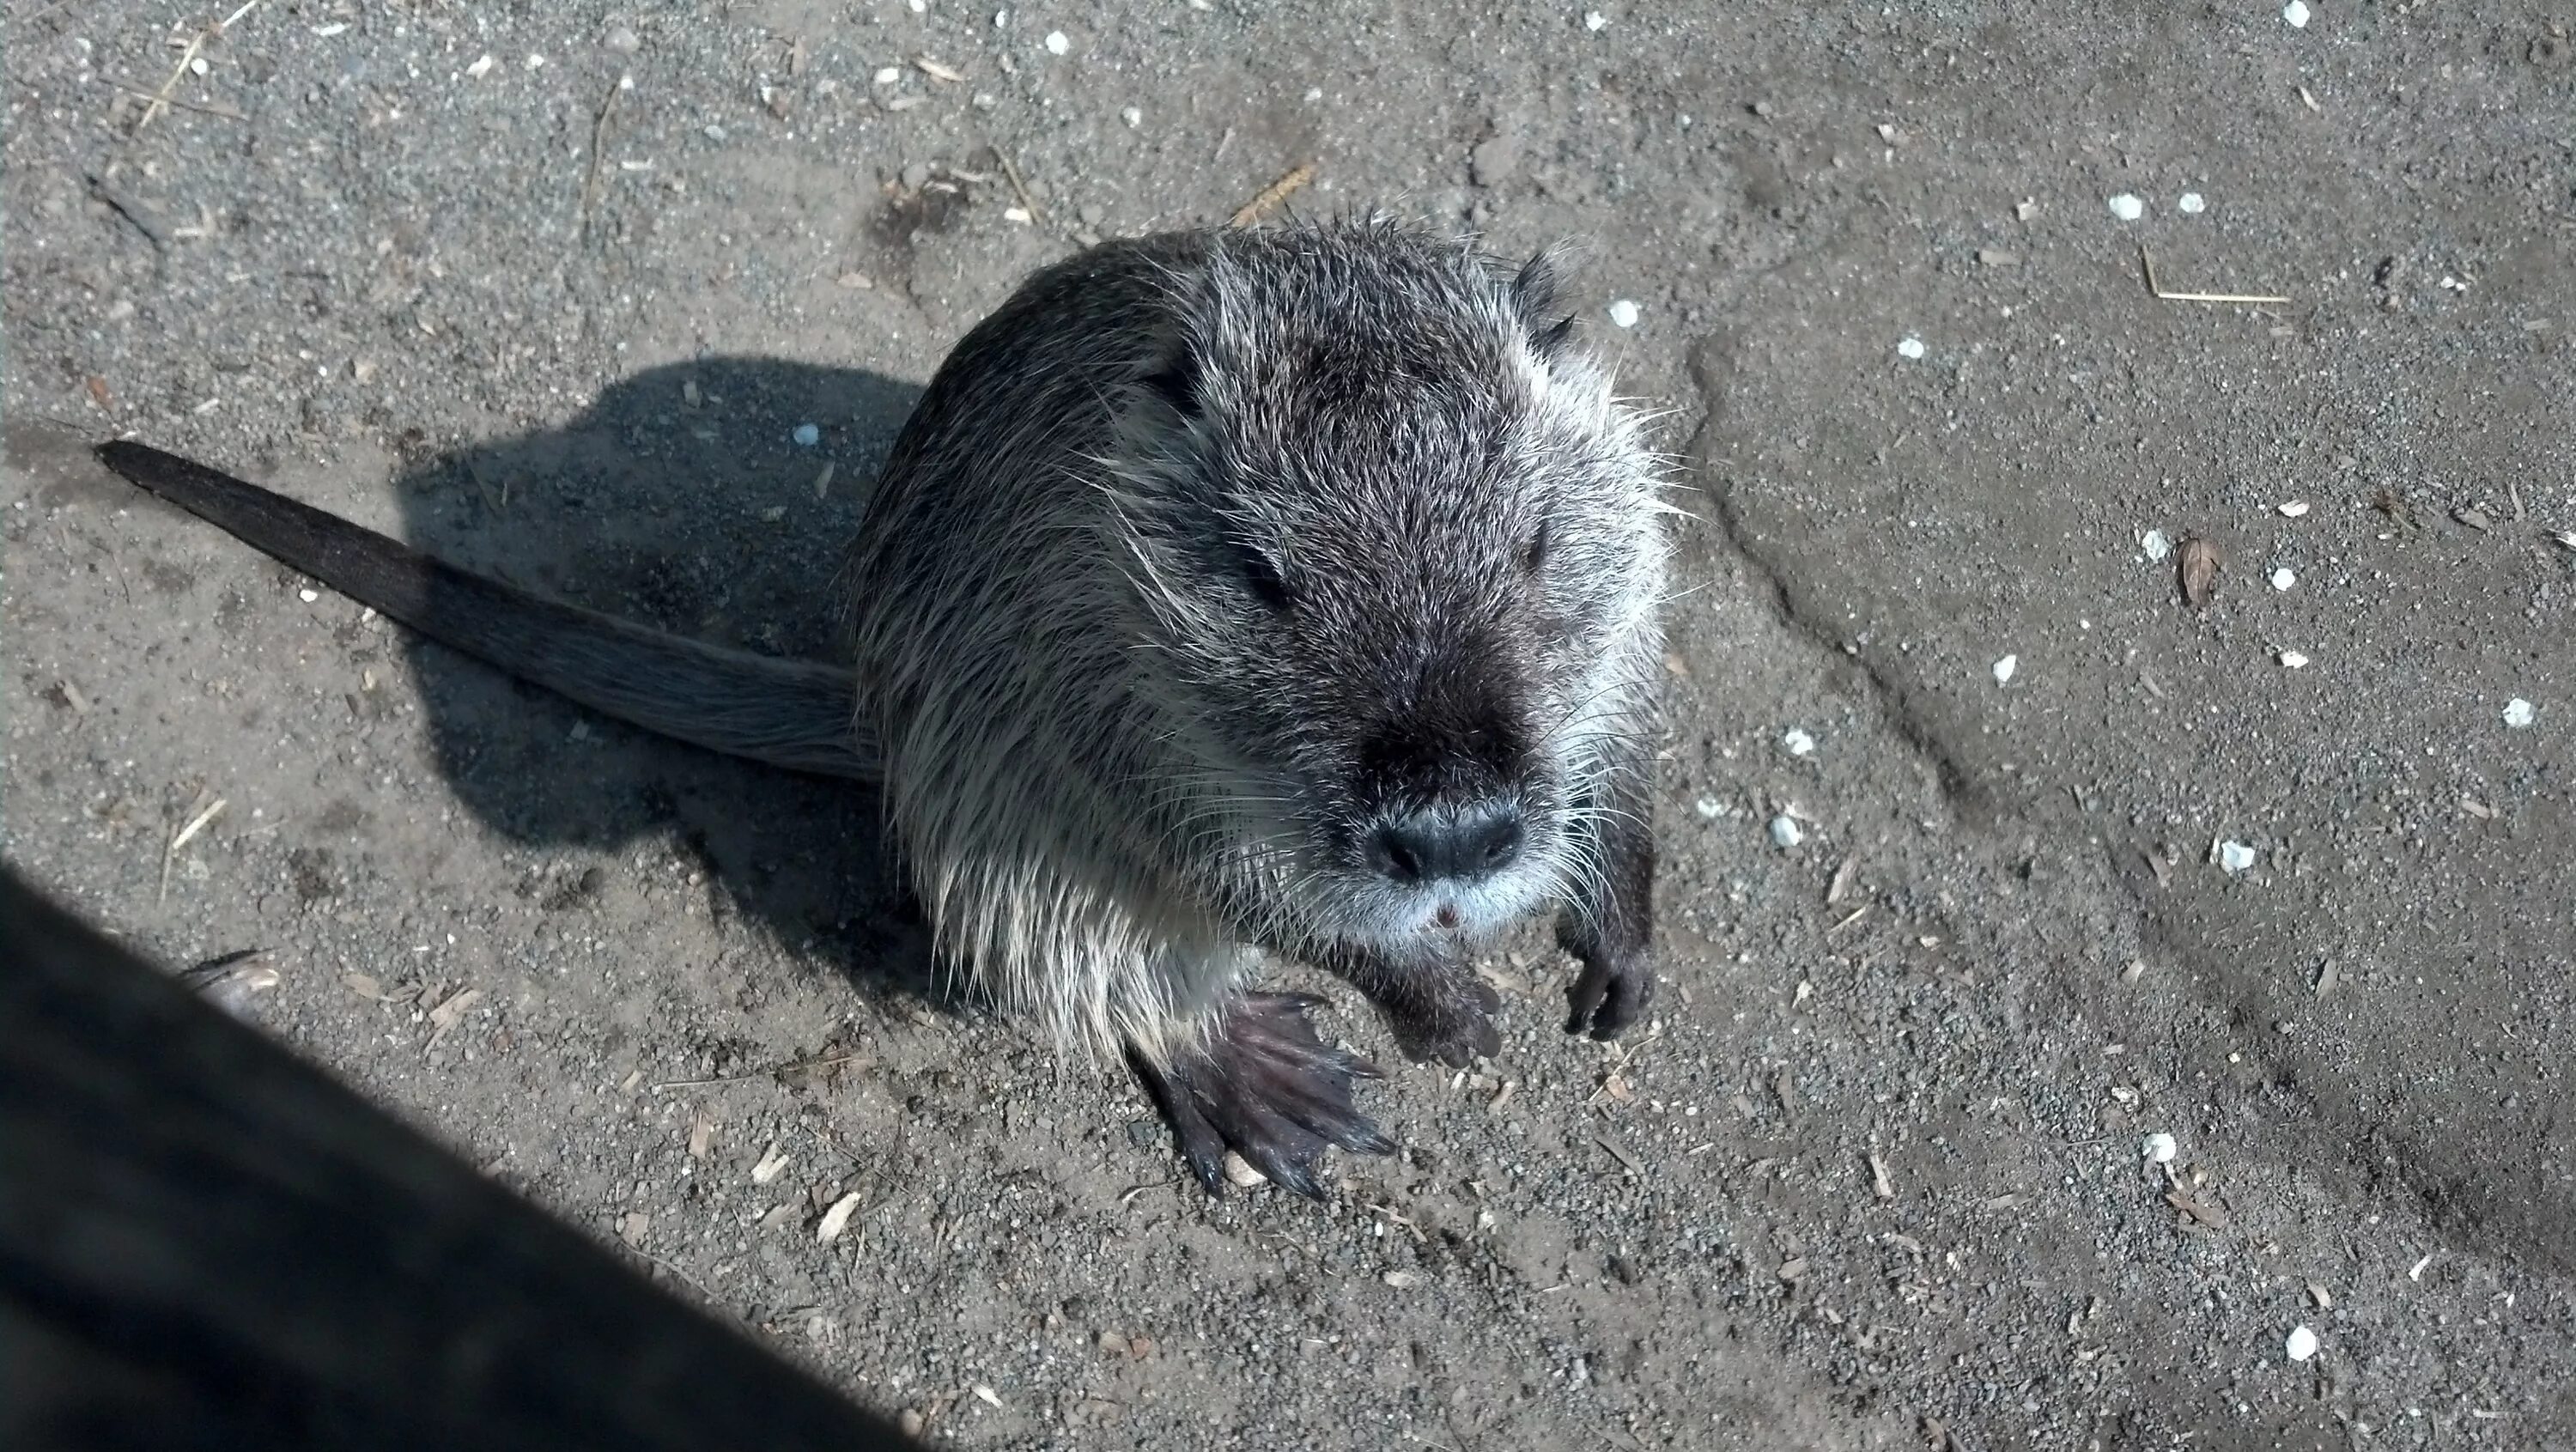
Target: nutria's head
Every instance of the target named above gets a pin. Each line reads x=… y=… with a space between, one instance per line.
x=1383 y=522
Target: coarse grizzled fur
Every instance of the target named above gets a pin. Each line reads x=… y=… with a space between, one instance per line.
x=1203 y=559
x=1176 y=538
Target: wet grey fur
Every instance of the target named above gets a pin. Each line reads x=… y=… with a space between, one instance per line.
x=1201 y=555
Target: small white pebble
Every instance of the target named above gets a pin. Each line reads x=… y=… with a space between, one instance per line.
x=1001 y=20
x=536 y=62
x=2234 y=857
x=1015 y=214
x=2283 y=578
x=2293 y=660
x=2191 y=204
x=1594 y=20
x=807 y=436
x=1909 y=348
x=2296 y=12
x=2155 y=544
x=2160 y=1148
x=2294 y=508
x=479 y=69
x=2517 y=713
x=1785 y=831
x=1133 y=116
x=1056 y=43
x=2004 y=669
x=1624 y=313
x=919 y=6
x=1798 y=743
x=1709 y=807
x=308 y=596
x=2127 y=208
x=2302 y=1343
x=888 y=75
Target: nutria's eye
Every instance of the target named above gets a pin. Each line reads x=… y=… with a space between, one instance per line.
x=1261 y=575
x=1534 y=553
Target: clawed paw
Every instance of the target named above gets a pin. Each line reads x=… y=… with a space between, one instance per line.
x=1607 y=999
x=1269 y=1088
x=1456 y=1031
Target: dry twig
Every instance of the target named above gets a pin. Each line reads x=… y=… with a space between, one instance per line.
x=2153 y=286
x=1275 y=193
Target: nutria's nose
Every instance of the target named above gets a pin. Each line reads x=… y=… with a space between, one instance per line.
x=1447 y=845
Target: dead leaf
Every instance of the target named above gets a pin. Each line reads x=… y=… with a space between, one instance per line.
x=1879 y=1183
x=1792 y=1270
x=936 y=71
x=99 y=395
x=449 y=1014
x=772 y=1163
x=632 y=1228
x=1620 y=1153
x=1840 y=884
x=2199 y=571
x=702 y=1132
x=837 y=1219
x=2209 y=1215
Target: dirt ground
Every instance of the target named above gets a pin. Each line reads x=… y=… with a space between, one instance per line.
x=1879 y=1173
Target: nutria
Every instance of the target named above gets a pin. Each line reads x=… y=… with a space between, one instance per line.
x=1229 y=591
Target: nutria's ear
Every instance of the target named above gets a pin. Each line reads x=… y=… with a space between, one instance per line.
x=1535 y=287
x=1174 y=378
x=1534 y=293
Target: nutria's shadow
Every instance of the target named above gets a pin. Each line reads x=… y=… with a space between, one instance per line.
x=681 y=499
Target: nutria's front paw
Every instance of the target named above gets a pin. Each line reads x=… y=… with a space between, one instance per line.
x=1609 y=994
x=1268 y=1088
x=1454 y=1028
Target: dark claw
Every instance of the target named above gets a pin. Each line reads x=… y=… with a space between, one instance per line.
x=1267 y=1087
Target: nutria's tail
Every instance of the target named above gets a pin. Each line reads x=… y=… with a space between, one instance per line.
x=794 y=714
